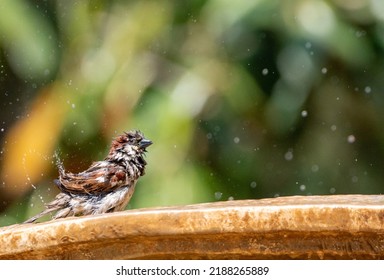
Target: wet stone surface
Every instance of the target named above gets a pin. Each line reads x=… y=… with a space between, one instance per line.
x=297 y=227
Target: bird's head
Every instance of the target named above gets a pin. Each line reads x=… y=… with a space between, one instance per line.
x=129 y=146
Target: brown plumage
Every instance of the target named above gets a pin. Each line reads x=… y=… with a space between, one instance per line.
x=106 y=186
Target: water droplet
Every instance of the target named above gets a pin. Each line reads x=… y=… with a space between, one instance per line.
x=288 y=155
x=304 y=113
x=315 y=168
x=236 y=140
x=253 y=184
x=324 y=70
x=264 y=72
x=351 y=139
x=302 y=187
x=218 y=195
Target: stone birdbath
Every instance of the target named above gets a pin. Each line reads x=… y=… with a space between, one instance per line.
x=296 y=227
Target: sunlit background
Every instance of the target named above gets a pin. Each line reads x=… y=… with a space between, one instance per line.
x=242 y=99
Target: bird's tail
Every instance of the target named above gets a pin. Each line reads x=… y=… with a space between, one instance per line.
x=61 y=202
x=38 y=216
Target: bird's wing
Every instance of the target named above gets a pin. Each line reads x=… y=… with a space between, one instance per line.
x=100 y=177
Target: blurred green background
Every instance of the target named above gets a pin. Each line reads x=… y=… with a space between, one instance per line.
x=242 y=99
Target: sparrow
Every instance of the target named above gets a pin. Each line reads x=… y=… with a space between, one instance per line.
x=106 y=186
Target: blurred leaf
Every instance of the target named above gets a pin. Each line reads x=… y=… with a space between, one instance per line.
x=29 y=40
x=30 y=144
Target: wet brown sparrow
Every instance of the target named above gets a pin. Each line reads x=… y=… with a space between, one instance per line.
x=106 y=186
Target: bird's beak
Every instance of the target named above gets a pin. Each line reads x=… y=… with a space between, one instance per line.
x=145 y=143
